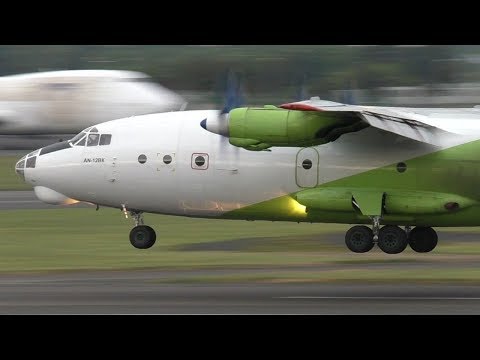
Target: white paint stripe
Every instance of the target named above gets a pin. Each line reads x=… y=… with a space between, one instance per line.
x=376 y=298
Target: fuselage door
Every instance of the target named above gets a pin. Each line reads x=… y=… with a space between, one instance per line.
x=307 y=167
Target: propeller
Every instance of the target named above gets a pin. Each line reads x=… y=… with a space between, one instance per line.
x=348 y=95
x=233 y=99
x=302 y=92
x=233 y=92
x=219 y=124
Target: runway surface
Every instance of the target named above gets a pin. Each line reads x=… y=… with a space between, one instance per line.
x=165 y=292
x=142 y=292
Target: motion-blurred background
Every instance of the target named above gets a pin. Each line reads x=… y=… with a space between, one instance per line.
x=399 y=75
x=81 y=238
x=381 y=75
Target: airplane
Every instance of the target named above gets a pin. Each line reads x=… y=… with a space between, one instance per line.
x=402 y=171
x=67 y=101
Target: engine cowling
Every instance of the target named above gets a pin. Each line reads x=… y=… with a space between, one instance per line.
x=261 y=128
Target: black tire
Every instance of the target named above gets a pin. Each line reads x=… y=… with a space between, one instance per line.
x=423 y=239
x=359 y=239
x=142 y=237
x=392 y=239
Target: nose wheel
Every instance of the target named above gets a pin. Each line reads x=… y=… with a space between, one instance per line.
x=141 y=236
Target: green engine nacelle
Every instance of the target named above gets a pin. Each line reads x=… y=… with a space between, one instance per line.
x=261 y=128
x=398 y=202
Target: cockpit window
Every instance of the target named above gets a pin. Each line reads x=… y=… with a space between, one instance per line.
x=93 y=139
x=81 y=142
x=105 y=139
x=77 y=137
x=34 y=153
x=92 y=130
x=21 y=164
x=31 y=162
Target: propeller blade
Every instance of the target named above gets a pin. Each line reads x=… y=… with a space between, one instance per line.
x=233 y=92
x=302 y=93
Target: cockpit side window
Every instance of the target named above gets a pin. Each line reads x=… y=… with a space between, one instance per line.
x=81 y=142
x=33 y=153
x=77 y=137
x=21 y=163
x=31 y=161
x=105 y=139
x=93 y=139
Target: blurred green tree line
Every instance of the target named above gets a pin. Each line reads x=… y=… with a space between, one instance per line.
x=264 y=68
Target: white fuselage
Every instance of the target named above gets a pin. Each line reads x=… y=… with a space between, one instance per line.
x=206 y=176
x=112 y=175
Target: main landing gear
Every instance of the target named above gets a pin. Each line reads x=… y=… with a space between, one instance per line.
x=141 y=236
x=390 y=239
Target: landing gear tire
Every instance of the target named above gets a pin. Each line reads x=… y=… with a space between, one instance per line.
x=392 y=239
x=142 y=237
x=359 y=239
x=423 y=239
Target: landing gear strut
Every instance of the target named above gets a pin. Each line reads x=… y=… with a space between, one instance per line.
x=137 y=217
x=141 y=236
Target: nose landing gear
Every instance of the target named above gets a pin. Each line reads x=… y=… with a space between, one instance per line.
x=141 y=236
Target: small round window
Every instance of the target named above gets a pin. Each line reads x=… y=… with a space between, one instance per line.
x=167 y=159
x=199 y=161
x=401 y=167
x=142 y=159
x=307 y=164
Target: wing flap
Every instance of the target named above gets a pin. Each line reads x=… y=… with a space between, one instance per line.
x=406 y=128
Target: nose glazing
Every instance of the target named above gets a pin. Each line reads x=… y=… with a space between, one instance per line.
x=28 y=161
x=20 y=168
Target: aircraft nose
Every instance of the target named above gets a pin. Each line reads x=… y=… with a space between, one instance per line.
x=26 y=163
x=20 y=168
